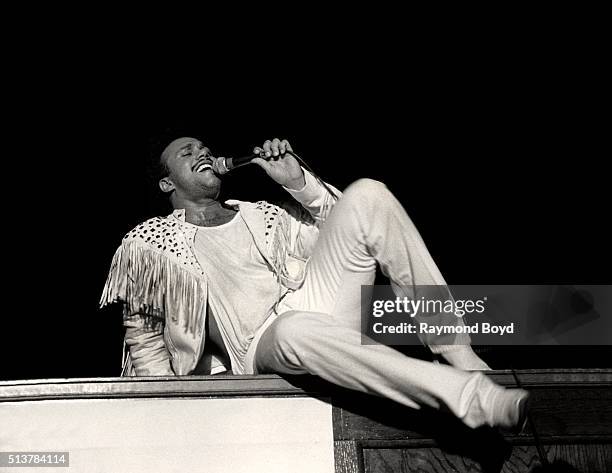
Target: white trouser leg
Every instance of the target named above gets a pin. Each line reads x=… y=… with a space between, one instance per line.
x=368 y=225
x=308 y=342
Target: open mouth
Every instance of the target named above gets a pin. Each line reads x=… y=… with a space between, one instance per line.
x=203 y=166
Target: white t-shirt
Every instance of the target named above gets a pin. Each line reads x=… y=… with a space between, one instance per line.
x=242 y=289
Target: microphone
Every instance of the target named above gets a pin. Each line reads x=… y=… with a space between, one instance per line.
x=224 y=165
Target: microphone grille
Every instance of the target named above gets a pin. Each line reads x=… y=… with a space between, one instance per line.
x=220 y=166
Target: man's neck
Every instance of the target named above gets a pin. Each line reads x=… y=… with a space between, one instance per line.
x=208 y=214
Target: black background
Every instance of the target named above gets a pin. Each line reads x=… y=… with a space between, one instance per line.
x=498 y=157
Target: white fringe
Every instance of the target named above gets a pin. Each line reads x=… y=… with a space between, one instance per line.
x=151 y=284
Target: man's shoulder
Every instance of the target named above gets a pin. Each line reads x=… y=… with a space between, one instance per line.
x=152 y=229
x=277 y=208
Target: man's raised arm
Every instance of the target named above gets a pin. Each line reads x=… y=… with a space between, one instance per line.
x=285 y=169
x=314 y=197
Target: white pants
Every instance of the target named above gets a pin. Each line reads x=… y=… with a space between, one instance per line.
x=320 y=334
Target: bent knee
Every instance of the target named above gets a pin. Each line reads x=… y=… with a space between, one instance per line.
x=366 y=185
x=367 y=190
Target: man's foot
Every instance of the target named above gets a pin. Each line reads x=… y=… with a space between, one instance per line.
x=510 y=408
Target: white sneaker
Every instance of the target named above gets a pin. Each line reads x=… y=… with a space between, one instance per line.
x=510 y=408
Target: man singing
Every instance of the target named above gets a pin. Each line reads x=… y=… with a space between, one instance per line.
x=269 y=290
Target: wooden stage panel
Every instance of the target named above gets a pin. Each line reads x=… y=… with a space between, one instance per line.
x=524 y=458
